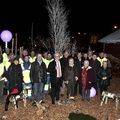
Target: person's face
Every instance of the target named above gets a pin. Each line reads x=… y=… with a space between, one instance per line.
x=32 y=53
x=86 y=64
x=101 y=55
x=85 y=55
x=39 y=57
x=26 y=59
x=90 y=53
x=105 y=55
x=66 y=54
x=16 y=62
x=79 y=55
x=49 y=56
x=71 y=62
x=45 y=55
x=12 y=56
x=94 y=57
x=25 y=53
x=57 y=56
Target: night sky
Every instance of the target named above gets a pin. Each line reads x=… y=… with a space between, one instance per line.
x=85 y=16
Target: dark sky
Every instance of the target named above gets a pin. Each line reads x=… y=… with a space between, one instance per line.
x=84 y=16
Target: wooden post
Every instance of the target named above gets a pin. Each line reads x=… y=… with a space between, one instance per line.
x=16 y=44
x=12 y=45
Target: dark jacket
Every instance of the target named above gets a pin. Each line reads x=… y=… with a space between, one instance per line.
x=79 y=63
x=14 y=77
x=38 y=72
x=53 y=72
x=95 y=65
x=104 y=73
x=70 y=73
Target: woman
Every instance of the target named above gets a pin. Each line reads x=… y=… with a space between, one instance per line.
x=87 y=77
x=70 y=76
x=15 y=80
x=104 y=76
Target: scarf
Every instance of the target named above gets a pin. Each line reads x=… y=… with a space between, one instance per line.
x=84 y=78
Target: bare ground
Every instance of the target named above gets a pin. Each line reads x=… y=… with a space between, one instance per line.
x=61 y=112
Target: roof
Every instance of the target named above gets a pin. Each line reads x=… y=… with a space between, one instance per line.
x=111 y=38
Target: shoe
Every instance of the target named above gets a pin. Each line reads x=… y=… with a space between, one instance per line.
x=59 y=102
x=72 y=98
x=34 y=103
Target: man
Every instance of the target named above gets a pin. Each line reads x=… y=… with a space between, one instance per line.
x=38 y=78
x=55 y=70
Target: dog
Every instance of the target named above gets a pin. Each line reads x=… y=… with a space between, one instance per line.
x=106 y=95
x=14 y=98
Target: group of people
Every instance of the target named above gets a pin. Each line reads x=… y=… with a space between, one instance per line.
x=70 y=75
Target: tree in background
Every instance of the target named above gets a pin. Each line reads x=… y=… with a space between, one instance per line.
x=58 y=25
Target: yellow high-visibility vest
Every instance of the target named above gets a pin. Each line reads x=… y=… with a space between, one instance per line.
x=101 y=60
x=7 y=65
x=1 y=70
x=47 y=62
x=32 y=59
x=26 y=74
x=21 y=61
x=5 y=58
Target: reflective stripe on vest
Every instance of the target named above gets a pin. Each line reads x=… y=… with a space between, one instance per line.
x=26 y=74
x=32 y=59
x=1 y=69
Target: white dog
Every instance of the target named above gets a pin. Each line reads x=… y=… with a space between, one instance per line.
x=117 y=100
x=106 y=95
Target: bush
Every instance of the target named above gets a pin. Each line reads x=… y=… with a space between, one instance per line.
x=80 y=116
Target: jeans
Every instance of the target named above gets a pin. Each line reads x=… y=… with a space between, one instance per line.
x=1 y=87
x=38 y=92
x=86 y=94
x=1 y=92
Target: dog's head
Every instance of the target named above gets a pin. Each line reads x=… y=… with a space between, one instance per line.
x=103 y=93
x=12 y=98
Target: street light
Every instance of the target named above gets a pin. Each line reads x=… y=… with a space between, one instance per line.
x=115 y=26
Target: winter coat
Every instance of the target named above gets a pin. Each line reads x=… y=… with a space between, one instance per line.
x=14 y=77
x=90 y=78
x=70 y=73
x=38 y=72
x=104 y=73
x=53 y=72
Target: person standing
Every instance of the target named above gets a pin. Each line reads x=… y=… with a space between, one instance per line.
x=38 y=75
x=87 y=78
x=55 y=70
x=15 y=80
x=104 y=76
x=27 y=86
x=71 y=76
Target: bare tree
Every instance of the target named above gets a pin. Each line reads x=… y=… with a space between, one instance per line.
x=46 y=43
x=58 y=25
